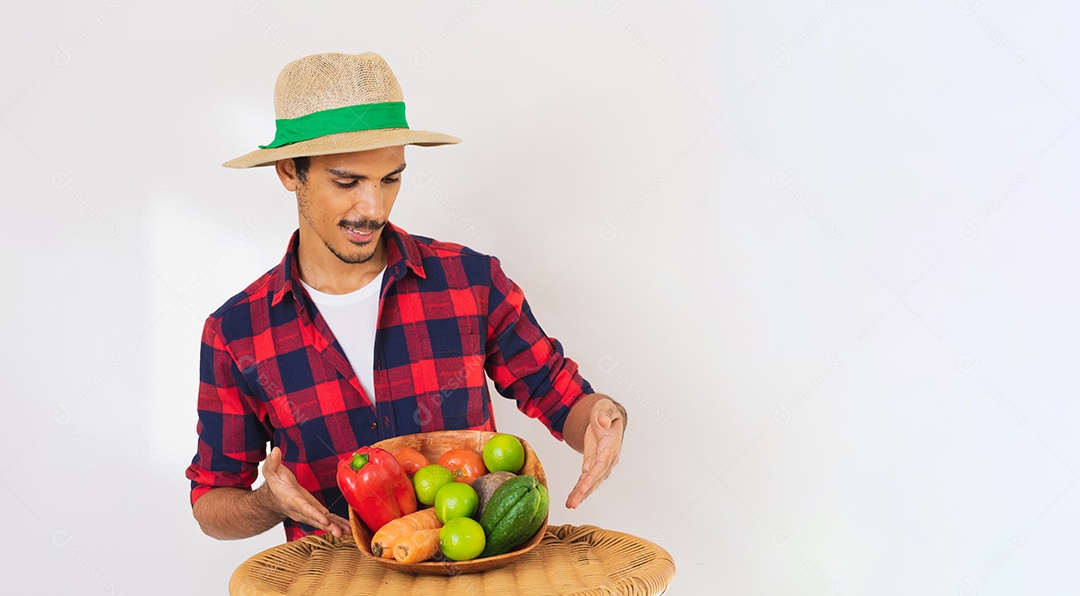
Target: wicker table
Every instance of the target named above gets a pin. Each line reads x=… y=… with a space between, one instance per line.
x=578 y=560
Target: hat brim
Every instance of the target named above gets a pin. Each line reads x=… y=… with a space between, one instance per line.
x=343 y=142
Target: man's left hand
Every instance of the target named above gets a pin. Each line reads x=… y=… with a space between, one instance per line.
x=602 y=443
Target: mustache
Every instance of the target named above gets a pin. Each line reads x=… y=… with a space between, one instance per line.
x=362 y=224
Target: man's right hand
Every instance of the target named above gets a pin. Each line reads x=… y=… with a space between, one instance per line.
x=288 y=498
x=228 y=513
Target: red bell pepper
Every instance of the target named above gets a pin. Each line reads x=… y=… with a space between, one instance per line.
x=376 y=486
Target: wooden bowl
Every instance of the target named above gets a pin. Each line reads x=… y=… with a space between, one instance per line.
x=432 y=445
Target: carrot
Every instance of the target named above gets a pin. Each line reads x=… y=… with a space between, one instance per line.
x=382 y=543
x=418 y=546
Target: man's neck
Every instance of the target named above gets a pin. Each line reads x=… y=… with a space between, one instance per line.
x=322 y=270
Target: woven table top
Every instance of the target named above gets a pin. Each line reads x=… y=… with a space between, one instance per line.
x=575 y=560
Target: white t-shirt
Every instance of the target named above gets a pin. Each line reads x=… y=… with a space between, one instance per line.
x=352 y=318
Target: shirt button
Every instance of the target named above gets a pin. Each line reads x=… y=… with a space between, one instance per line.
x=374 y=426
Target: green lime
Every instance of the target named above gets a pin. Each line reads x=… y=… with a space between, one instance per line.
x=428 y=480
x=462 y=539
x=504 y=453
x=456 y=499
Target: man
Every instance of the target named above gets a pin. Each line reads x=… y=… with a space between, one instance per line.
x=363 y=331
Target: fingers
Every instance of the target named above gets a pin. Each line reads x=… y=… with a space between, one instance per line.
x=311 y=512
x=273 y=460
x=295 y=502
x=593 y=472
x=585 y=486
x=342 y=523
x=314 y=512
x=602 y=447
x=598 y=471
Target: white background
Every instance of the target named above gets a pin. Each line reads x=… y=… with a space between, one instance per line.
x=824 y=252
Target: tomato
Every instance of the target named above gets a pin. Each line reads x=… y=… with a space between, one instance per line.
x=410 y=459
x=466 y=464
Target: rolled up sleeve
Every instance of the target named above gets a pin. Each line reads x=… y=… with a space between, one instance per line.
x=524 y=363
x=232 y=434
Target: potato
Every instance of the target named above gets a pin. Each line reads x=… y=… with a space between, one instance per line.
x=485 y=487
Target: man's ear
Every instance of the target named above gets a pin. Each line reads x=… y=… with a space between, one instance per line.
x=286 y=171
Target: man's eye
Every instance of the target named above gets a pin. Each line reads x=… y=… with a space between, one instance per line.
x=345 y=185
x=392 y=180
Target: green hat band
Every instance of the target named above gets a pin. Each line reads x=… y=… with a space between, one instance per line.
x=370 y=116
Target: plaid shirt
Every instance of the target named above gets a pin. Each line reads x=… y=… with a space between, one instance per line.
x=271 y=370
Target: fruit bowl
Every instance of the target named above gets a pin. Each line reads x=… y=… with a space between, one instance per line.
x=432 y=445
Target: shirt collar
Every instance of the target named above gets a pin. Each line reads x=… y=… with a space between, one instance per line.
x=402 y=255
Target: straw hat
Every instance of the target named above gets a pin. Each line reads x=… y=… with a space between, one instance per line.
x=337 y=103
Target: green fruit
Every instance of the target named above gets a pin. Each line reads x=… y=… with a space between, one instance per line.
x=514 y=513
x=456 y=499
x=462 y=539
x=428 y=480
x=504 y=453
x=504 y=499
x=541 y=513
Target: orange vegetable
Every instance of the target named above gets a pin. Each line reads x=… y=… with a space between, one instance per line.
x=410 y=459
x=466 y=465
x=382 y=543
x=417 y=547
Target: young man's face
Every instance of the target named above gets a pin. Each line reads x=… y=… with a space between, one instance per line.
x=346 y=200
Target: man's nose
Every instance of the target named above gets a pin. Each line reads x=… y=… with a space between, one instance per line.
x=368 y=201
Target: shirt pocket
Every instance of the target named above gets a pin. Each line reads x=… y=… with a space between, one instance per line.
x=459 y=389
x=461 y=337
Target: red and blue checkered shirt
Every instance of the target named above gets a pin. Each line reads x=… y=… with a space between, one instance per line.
x=272 y=372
